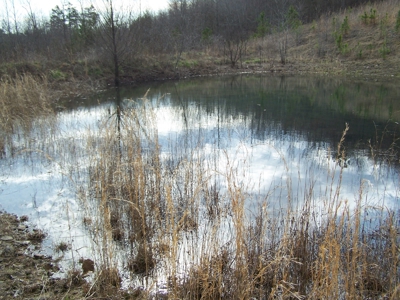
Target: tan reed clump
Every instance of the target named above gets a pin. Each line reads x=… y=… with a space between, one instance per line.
x=23 y=101
x=167 y=215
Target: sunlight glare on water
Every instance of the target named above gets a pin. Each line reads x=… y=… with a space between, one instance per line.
x=270 y=143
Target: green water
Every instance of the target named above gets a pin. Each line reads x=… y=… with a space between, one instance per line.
x=312 y=107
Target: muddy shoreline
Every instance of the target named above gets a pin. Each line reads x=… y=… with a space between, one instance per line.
x=25 y=271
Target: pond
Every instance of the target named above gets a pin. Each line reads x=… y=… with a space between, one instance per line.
x=195 y=149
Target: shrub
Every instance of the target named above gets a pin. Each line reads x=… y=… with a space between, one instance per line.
x=398 y=21
x=384 y=50
x=345 y=27
x=369 y=19
x=342 y=47
x=57 y=75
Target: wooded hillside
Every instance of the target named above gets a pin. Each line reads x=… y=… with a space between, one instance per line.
x=120 y=42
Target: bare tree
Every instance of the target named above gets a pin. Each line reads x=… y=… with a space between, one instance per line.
x=32 y=22
x=235 y=29
x=180 y=34
x=10 y=33
x=116 y=35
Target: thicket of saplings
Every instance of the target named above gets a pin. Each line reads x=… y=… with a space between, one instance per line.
x=184 y=227
x=84 y=43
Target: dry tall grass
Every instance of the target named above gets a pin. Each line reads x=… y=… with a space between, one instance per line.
x=23 y=101
x=165 y=223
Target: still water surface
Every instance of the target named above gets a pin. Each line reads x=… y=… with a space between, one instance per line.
x=279 y=134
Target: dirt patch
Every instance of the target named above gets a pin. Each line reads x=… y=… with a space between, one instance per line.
x=25 y=271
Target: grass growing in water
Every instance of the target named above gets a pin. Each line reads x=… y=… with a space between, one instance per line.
x=183 y=218
x=178 y=225
x=23 y=101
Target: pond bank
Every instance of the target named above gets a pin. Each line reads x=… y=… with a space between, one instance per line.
x=385 y=71
x=25 y=271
